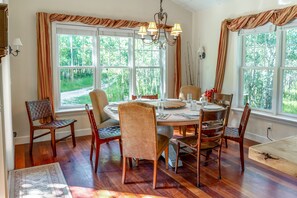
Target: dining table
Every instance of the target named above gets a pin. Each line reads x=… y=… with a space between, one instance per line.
x=175 y=113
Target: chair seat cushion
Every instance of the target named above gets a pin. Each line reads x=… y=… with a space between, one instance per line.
x=56 y=124
x=109 y=132
x=231 y=132
x=108 y=123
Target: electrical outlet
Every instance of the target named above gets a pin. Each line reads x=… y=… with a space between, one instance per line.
x=269 y=126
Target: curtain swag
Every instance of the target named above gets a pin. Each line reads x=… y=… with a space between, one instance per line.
x=45 y=75
x=278 y=17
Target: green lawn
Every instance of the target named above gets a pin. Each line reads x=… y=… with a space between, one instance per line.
x=85 y=99
x=82 y=82
x=290 y=107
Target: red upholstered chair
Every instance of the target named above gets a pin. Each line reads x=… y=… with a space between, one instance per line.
x=42 y=110
x=237 y=133
x=101 y=135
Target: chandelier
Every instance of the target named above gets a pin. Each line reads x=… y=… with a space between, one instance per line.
x=159 y=28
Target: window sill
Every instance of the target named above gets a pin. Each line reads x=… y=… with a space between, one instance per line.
x=281 y=119
x=70 y=112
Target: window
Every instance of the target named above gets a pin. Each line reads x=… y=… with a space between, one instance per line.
x=113 y=60
x=269 y=69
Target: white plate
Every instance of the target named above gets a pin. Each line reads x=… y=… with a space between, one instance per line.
x=213 y=107
x=173 y=99
x=192 y=113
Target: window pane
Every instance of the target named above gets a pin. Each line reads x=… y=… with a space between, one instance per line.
x=75 y=50
x=289 y=100
x=257 y=88
x=114 y=51
x=147 y=55
x=115 y=82
x=260 y=50
x=291 y=48
x=64 y=50
x=75 y=85
x=148 y=81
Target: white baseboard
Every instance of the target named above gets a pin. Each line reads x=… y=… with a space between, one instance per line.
x=60 y=134
x=255 y=137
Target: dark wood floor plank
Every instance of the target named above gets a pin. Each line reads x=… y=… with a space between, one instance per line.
x=257 y=181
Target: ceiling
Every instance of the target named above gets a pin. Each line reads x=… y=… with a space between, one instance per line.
x=195 y=5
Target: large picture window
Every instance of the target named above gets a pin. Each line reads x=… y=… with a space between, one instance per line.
x=113 y=60
x=269 y=69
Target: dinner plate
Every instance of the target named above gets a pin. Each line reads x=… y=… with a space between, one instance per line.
x=212 y=107
x=173 y=99
x=193 y=113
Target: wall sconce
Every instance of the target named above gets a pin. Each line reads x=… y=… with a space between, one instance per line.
x=201 y=53
x=17 y=43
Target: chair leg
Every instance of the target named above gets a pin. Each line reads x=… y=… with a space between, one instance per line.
x=219 y=159
x=180 y=130
x=53 y=137
x=241 y=156
x=92 y=146
x=226 y=143
x=184 y=129
x=136 y=162
x=177 y=156
x=166 y=156
x=155 y=173
x=73 y=135
x=130 y=162
x=121 y=149
x=124 y=169
x=198 y=167
x=31 y=141
x=97 y=155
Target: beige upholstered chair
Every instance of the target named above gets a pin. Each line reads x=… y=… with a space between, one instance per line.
x=195 y=91
x=99 y=101
x=139 y=130
x=210 y=134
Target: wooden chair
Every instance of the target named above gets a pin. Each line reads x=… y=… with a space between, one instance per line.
x=237 y=134
x=196 y=94
x=210 y=135
x=139 y=135
x=195 y=91
x=146 y=97
x=102 y=135
x=99 y=101
x=42 y=110
x=222 y=100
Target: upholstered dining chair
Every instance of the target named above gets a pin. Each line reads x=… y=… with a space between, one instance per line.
x=210 y=134
x=237 y=133
x=195 y=91
x=134 y=97
x=42 y=110
x=222 y=100
x=196 y=94
x=101 y=135
x=99 y=101
x=139 y=130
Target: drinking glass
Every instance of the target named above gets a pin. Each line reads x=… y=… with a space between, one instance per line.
x=189 y=97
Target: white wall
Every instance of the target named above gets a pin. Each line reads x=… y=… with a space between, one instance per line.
x=206 y=32
x=23 y=25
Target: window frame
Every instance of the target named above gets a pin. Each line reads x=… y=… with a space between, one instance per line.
x=97 y=69
x=279 y=67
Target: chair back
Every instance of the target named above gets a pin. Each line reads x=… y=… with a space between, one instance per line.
x=99 y=101
x=39 y=109
x=222 y=99
x=146 y=96
x=138 y=130
x=244 y=120
x=195 y=91
x=92 y=121
x=212 y=125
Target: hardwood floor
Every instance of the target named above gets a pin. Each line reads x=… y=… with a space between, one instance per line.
x=257 y=180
